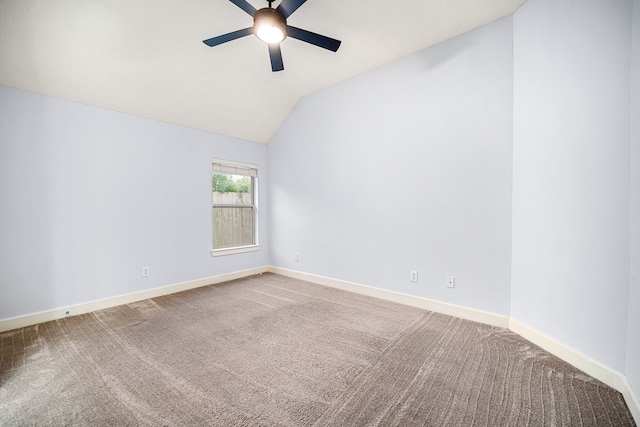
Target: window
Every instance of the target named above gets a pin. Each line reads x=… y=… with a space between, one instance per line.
x=235 y=208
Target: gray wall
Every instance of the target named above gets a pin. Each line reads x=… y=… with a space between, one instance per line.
x=633 y=334
x=406 y=167
x=570 y=265
x=89 y=196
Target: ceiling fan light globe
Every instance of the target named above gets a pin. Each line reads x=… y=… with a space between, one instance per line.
x=270 y=34
x=270 y=25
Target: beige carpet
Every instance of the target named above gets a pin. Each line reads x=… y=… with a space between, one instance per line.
x=274 y=351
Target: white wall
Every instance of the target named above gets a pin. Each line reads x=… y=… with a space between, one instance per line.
x=570 y=269
x=89 y=196
x=406 y=167
x=633 y=334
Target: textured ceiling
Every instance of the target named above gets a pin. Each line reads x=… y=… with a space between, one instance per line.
x=146 y=57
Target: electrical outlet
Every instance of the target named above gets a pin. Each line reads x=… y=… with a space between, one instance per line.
x=451 y=282
x=296 y=257
x=145 y=271
x=413 y=276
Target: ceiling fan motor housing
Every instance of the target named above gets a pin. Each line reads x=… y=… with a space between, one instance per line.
x=270 y=17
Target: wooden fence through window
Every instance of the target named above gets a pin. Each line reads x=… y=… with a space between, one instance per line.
x=233 y=223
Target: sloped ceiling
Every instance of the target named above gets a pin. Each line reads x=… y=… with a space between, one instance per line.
x=146 y=57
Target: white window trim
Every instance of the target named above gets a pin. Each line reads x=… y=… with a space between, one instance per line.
x=246 y=248
x=235 y=250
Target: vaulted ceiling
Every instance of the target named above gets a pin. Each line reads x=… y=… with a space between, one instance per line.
x=146 y=57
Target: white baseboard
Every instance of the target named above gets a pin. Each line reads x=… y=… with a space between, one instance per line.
x=631 y=398
x=584 y=363
x=608 y=376
x=73 y=310
x=410 y=300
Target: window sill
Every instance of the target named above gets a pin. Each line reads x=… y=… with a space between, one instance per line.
x=234 y=250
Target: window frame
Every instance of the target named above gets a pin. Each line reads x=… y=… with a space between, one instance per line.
x=230 y=165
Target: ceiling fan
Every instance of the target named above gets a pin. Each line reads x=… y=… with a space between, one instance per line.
x=270 y=26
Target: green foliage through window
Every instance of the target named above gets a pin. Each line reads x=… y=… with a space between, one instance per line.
x=224 y=183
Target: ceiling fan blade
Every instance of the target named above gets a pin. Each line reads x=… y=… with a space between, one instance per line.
x=215 y=41
x=313 y=38
x=287 y=7
x=275 y=54
x=242 y=4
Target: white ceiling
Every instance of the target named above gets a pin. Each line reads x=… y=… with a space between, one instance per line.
x=146 y=57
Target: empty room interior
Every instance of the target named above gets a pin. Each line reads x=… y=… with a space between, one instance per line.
x=445 y=175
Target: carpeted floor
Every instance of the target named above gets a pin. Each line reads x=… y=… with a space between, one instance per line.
x=274 y=351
